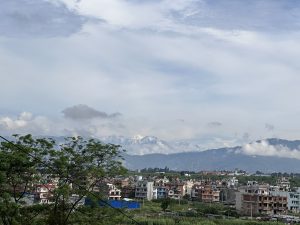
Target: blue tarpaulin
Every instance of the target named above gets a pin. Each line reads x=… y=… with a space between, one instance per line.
x=119 y=204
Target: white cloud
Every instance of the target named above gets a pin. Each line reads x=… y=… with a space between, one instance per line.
x=157 y=61
x=25 y=123
x=263 y=148
x=31 y=18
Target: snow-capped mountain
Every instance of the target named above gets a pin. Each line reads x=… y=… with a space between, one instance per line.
x=140 y=145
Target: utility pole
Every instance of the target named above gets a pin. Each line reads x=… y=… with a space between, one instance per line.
x=251 y=210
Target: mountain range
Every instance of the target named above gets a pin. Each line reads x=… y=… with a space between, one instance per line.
x=270 y=155
x=141 y=145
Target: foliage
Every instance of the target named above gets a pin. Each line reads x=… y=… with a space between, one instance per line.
x=165 y=204
x=76 y=167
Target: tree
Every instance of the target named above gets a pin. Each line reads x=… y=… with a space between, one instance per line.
x=76 y=167
x=79 y=167
x=19 y=170
x=165 y=204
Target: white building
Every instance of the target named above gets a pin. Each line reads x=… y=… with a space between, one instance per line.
x=44 y=193
x=113 y=192
x=144 y=190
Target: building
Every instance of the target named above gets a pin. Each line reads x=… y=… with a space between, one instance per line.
x=209 y=194
x=160 y=192
x=294 y=201
x=293 y=198
x=196 y=192
x=113 y=192
x=176 y=190
x=284 y=184
x=44 y=193
x=256 y=199
x=144 y=190
x=228 y=196
x=232 y=182
x=128 y=192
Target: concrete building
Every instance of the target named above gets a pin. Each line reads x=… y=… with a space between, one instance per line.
x=293 y=198
x=113 y=192
x=284 y=184
x=160 y=192
x=257 y=199
x=44 y=193
x=128 y=192
x=144 y=190
x=209 y=194
x=196 y=192
x=232 y=182
x=228 y=196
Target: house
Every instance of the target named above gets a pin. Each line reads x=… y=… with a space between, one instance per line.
x=144 y=190
x=44 y=193
x=114 y=193
x=160 y=192
x=209 y=194
x=128 y=191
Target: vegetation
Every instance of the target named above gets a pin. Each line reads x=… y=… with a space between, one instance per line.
x=76 y=166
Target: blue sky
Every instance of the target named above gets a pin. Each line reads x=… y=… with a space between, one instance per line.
x=177 y=69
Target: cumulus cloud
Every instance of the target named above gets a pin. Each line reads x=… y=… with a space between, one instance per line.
x=26 y=123
x=263 y=148
x=38 y=18
x=83 y=112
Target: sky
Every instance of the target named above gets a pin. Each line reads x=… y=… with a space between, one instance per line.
x=219 y=70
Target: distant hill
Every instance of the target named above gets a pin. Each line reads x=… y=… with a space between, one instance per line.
x=221 y=159
x=270 y=155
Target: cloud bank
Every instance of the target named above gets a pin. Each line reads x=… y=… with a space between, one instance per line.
x=26 y=122
x=263 y=148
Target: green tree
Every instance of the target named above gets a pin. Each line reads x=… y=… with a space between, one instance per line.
x=165 y=204
x=80 y=167
x=77 y=167
x=19 y=171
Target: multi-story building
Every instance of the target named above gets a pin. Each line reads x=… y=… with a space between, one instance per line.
x=209 y=194
x=44 y=193
x=114 y=193
x=196 y=192
x=176 y=190
x=257 y=199
x=294 y=201
x=160 y=192
x=188 y=188
x=232 y=182
x=144 y=190
x=128 y=192
x=227 y=196
x=293 y=198
x=284 y=184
